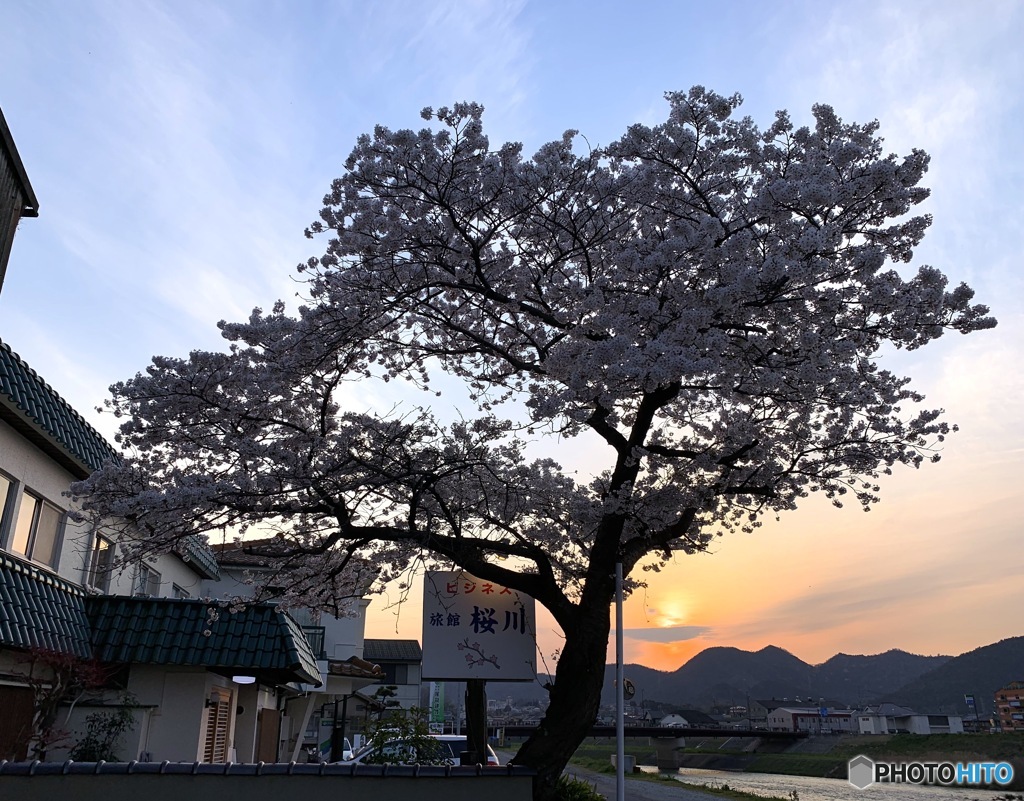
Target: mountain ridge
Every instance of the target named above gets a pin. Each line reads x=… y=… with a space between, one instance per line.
x=729 y=676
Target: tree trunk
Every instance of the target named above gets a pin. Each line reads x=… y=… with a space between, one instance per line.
x=575 y=699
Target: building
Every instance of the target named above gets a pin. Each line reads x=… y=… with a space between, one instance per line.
x=812 y=719
x=310 y=713
x=17 y=199
x=1009 y=706
x=887 y=718
x=689 y=719
x=199 y=682
x=400 y=662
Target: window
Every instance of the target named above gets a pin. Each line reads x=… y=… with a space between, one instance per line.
x=179 y=592
x=101 y=562
x=396 y=674
x=147 y=581
x=37 y=529
x=6 y=502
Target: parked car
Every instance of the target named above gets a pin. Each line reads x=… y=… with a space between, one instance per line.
x=322 y=753
x=404 y=752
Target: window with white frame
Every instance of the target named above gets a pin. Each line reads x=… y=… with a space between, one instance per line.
x=101 y=563
x=179 y=592
x=147 y=581
x=37 y=529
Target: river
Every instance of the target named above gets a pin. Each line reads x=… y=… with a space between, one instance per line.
x=809 y=788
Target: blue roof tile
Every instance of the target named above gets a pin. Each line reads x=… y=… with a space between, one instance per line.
x=38 y=406
x=40 y=610
x=262 y=639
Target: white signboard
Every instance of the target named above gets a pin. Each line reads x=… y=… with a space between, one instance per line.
x=476 y=629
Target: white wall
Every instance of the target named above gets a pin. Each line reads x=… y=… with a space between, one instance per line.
x=179 y=695
x=33 y=469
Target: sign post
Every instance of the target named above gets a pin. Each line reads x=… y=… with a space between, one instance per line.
x=476 y=631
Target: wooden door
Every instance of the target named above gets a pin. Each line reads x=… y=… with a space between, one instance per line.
x=268 y=733
x=16 y=704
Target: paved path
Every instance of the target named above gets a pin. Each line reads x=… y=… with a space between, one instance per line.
x=636 y=789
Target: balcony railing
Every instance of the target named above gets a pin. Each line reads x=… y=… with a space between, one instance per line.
x=315 y=636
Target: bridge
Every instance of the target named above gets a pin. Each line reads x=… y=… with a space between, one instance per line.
x=670 y=731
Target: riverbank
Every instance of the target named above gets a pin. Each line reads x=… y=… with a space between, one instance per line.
x=823 y=757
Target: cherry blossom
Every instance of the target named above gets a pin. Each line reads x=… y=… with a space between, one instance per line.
x=707 y=297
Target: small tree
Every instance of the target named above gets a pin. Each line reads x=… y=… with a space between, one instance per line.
x=705 y=298
x=104 y=732
x=404 y=737
x=57 y=679
x=384 y=699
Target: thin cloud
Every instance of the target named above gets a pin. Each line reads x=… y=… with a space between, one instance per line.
x=667 y=634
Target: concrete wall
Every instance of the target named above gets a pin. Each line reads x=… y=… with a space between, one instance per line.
x=496 y=784
x=174 y=728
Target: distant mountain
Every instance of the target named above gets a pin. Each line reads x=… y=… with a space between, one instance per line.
x=979 y=673
x=726 y=676
x=731 y=676
x=861 y=679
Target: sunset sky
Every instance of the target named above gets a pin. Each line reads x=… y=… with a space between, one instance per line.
x=179 y=149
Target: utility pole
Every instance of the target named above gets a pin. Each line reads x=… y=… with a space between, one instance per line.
x=620 y=702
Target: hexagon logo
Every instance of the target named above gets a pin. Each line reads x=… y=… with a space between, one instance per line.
x=861 y=772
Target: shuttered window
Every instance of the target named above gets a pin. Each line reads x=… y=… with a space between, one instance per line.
x=218 y=726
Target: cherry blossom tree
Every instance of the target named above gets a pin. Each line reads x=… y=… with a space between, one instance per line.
x=706 y=298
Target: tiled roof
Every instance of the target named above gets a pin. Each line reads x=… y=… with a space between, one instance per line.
x=40 y=771
x=354 y=667
x=392 y=651
x=33 y=407
x=262 y=639
x=233 y=554
x=41 y=610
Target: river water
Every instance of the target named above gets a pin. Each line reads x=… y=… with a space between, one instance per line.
x=813 y=789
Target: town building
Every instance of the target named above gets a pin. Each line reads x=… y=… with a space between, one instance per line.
x=1009 y=706
x=312 y=715
x=812 y=719
x=401 y=684
x=17 y=200
x=887 y=718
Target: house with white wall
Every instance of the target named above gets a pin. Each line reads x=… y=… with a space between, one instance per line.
x=888 y=718
x=812 y=719
x=309 y=716
x=401 y=663
x=202 y=683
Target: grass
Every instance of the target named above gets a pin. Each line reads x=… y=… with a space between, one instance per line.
x=596 y=756
x=953 y=747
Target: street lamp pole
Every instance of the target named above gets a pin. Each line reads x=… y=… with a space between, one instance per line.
x=620 y=703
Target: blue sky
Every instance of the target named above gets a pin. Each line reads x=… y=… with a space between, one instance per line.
x=179 y=149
